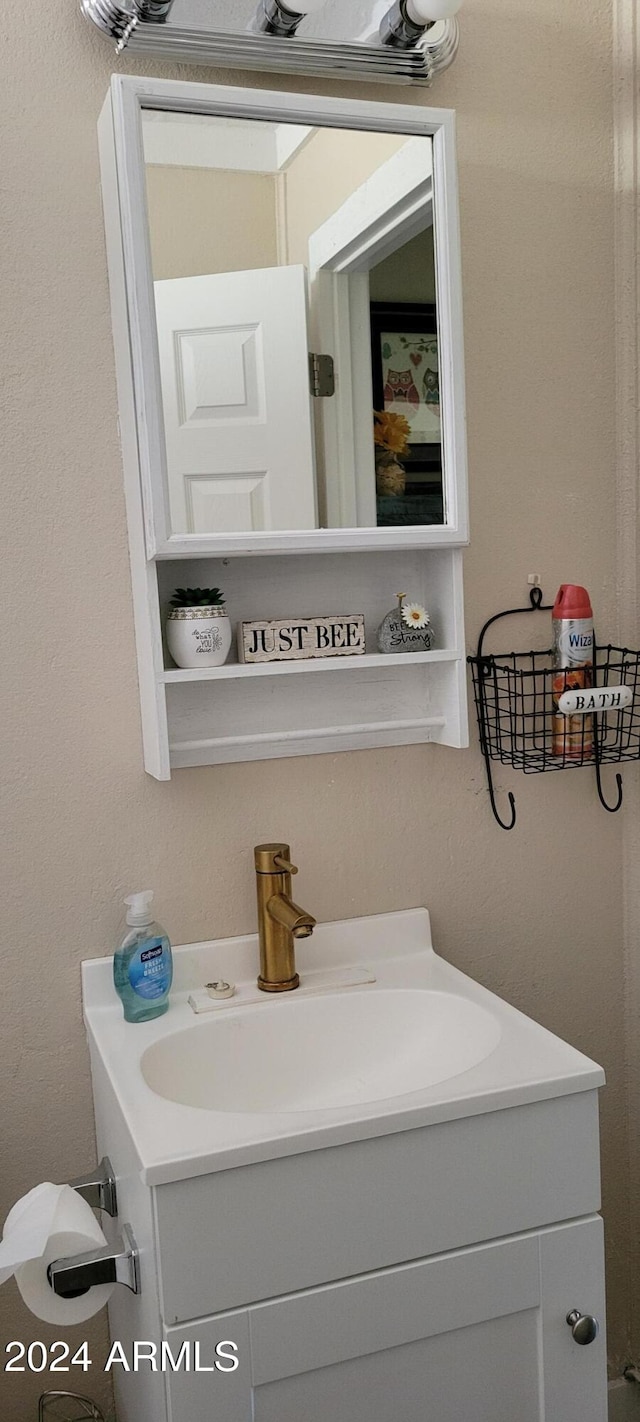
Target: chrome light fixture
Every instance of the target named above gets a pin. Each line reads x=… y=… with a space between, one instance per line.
x=417 y=39
x=120 y=20
x=274 y=17
x=407 y=21
x=117 y=21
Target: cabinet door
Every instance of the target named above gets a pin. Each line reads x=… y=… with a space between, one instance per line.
x=476 y=1336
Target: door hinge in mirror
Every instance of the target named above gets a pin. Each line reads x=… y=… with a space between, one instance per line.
x=322 y=375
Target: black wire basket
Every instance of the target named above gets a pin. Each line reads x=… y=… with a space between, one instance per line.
x=520 y=724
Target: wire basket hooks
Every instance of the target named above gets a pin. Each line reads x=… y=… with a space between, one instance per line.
x=517 y=694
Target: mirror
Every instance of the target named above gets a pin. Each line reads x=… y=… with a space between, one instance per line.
x=272 y=242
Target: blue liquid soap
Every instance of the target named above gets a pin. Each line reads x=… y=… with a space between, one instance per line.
x=143 y=965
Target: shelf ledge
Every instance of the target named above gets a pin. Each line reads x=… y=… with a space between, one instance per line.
x=234 y=670
x=308 y=742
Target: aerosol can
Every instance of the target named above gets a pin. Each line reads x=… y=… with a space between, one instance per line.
x=573 y=648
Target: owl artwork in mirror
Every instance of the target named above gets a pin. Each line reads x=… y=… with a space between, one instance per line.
x=406 y=393
x=274 y=243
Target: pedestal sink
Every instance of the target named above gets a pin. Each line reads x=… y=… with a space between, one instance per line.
x=318 y=1053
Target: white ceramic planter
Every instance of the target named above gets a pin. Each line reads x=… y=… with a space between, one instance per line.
x=199 y=636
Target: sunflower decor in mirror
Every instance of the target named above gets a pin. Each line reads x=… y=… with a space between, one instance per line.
x=391 y=439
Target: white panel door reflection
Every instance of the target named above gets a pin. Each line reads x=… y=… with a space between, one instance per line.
x=234 y=369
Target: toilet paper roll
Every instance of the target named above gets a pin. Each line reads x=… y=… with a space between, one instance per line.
x=51 y=1222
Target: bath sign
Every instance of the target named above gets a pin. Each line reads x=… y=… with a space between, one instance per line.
x=300 y=638
x=606 y=698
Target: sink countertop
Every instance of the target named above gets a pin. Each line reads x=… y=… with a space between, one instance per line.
x=177 y=1142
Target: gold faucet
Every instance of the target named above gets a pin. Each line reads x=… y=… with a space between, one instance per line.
x=280 y=921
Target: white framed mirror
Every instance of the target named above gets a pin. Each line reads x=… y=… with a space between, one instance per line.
x=290 y=268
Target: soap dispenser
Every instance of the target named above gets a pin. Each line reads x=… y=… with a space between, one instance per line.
x=143 y=965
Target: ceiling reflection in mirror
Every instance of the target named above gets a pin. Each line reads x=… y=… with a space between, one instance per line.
x=272 y=244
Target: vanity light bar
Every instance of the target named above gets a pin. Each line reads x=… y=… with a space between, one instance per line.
x=119 y=21
x=115 y=20
x=135 y=26
x=408 y=20
x=275 y=17
x=316 y=57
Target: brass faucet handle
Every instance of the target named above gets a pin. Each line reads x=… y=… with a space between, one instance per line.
x=274 y=859
x=283 y=864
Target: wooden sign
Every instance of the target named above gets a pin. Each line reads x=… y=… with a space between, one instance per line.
x=300 y=638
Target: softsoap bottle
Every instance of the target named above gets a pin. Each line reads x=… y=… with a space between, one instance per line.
x=143 y=965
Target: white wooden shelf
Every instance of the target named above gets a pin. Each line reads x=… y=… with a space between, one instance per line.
x=216 y=715
x=231 y=670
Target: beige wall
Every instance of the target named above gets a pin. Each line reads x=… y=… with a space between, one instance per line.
x=534 y=914
x=324 y=173
x=204 y=220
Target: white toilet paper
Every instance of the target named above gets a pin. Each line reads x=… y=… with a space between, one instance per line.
x=51 y=1222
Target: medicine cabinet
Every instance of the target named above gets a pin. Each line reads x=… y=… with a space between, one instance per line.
x=282 y=266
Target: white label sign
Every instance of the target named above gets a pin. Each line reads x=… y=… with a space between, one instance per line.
x=590 y=699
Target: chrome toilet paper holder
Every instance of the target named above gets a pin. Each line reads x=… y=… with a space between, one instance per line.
x=117 y=1263
x=98 y=1188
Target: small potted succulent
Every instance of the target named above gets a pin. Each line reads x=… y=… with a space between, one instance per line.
x=198 y=628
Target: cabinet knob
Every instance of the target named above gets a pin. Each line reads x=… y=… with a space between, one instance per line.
x=584 y=1327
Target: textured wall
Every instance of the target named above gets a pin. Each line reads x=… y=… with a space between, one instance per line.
x=535 y=914
x=325 y=172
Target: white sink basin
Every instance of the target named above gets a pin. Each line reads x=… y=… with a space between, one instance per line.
x=419 y=1044
x=318 y=1053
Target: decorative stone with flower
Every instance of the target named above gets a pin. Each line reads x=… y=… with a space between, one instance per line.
x=407 y=628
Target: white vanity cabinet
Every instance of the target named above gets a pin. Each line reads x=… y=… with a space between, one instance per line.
x=409 y=1258
x=336 y=1276
x=478 y=1334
